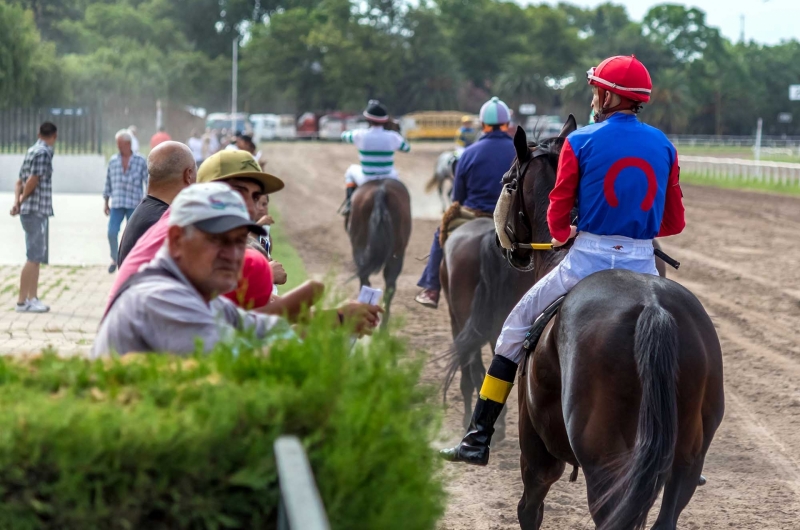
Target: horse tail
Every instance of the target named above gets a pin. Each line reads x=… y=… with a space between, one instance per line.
x=643 y=476
x=380 y=236
x=483 y=321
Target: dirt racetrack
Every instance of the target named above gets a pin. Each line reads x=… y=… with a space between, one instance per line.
x=740 y=256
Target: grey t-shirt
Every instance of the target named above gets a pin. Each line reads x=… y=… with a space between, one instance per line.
x=164 y=314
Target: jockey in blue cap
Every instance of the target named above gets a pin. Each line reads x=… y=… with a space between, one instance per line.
x=477 y=185
x=376 y=147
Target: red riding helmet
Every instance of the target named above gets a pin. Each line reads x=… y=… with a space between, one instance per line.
x=622 y=75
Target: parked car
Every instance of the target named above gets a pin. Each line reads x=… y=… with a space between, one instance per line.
x=331 y=126
x=221 y=120
x=268 y=127
x=307 y=126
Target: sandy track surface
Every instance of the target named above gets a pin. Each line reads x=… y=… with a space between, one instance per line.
x=739 y=256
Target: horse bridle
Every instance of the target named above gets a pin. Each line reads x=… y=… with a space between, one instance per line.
x=516 y=184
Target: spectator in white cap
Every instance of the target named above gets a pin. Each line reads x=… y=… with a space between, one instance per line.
x=174 y=301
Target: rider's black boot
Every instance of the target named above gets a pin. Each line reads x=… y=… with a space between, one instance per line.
x=474 y=448
x=347 y=200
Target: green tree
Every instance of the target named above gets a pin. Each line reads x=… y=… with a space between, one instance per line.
x=29 y=71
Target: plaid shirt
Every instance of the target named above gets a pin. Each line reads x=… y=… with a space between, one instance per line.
x=126 y=190
x=38 y=161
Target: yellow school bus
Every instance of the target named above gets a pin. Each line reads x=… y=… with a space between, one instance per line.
x=431 y=125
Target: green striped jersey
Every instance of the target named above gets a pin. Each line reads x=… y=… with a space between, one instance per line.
x=376 y=148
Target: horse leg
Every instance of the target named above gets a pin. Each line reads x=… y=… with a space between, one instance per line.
x=467 y=386
x=678 y=491
x=391 y=271
x=540 y=470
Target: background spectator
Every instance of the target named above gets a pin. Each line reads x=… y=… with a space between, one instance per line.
x=159 y=137
x=126 y=180
x=33 y=202
x=171 y=168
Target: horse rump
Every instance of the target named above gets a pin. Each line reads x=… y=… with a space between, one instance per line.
x=644 y=472
x=380 y=236
x=491 y=304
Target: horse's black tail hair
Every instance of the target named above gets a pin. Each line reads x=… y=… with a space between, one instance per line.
x=643 y=475
x=380 y=239
x=490 y=306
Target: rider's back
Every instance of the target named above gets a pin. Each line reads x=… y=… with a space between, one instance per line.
x=624 y=167
x=480 y=171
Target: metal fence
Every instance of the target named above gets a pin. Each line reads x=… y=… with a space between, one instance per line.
x=784 y=142
x=782 y=173
x=300 y=507
x=78 y=129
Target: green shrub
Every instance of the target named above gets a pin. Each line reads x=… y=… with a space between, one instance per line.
x=157 y=442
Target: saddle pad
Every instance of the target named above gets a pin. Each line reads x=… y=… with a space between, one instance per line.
x=456 y=216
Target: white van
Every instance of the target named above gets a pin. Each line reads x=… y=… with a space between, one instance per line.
x=273 y=127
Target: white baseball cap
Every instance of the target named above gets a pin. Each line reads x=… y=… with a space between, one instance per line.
x=212 y=207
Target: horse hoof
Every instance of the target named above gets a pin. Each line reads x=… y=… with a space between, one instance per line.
x=702 y=481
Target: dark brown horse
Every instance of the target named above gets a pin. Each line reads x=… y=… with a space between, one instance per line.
x=379 y=227
x=485 y=288
x=625 y=382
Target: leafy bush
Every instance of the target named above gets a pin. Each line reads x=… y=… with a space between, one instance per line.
x=156 y=442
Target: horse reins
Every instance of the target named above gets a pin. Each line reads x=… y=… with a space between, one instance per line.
x=518 y=184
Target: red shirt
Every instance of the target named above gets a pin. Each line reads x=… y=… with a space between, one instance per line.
x=255 y=285
x=159 y=138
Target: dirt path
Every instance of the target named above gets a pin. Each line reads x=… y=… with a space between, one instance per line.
x=735 y=258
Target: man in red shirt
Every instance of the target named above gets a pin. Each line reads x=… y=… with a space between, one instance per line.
x=623 y=175
x=160 y=137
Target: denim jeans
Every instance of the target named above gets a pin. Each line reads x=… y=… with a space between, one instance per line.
x=114 y=223
x=430 y=276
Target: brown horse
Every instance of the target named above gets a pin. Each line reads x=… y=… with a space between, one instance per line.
x=379 y=227
x=625 y=382
x=485 y=288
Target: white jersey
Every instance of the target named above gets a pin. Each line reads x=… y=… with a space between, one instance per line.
x=376 y=148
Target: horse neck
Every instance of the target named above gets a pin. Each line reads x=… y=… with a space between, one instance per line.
x=544 y=260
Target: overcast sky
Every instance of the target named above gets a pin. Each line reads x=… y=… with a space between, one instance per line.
x=767 y=22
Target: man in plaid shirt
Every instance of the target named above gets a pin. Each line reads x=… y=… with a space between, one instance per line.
x=33 y=202
x=126 y=182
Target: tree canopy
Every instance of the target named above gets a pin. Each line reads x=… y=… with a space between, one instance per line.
x=324 y=55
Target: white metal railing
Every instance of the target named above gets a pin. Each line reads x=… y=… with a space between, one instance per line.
x=300 y=506
x=740 y=169
x=785 y=142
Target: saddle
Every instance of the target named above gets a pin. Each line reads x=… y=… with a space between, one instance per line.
x=456 y=216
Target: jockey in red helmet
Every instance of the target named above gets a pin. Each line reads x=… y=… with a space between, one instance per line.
x=625 y=175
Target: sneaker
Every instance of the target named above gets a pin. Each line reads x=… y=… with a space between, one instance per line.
x=32 y=306
x=112 y=268
x=36 y=306
x=428 y=298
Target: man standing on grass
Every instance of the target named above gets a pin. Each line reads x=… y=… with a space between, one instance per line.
x=126 y=181
x=33 y=202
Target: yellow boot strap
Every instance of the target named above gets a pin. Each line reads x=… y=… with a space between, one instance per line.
x=495 y=389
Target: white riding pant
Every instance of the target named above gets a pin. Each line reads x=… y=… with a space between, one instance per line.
x=355 y=175
x=588 y=255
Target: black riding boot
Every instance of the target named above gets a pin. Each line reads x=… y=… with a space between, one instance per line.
x=474 y=448
x=350 y=190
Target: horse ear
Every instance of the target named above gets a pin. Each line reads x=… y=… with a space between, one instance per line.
x=569 y=127
x=521 y=145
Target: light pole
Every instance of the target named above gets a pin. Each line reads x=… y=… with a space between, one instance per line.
x=234 y=83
